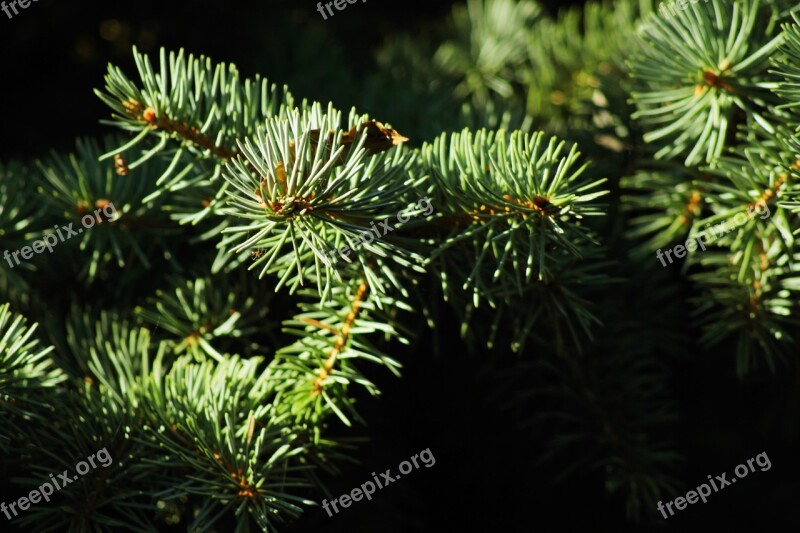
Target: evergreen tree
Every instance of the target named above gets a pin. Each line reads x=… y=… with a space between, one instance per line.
x=266 y=255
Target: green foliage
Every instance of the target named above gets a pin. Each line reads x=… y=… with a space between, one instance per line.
x=698 y=66
x=720 y=107
x=315 y=197
x=217 y=389
x=206 y=317
x=26 y=375
x=516 y=204
x=218 y=421
x=487 y=49
x=204 y=108
x=76 y=186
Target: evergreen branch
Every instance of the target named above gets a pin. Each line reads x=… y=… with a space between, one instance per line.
x=22 y=218
x=487 y=47
x=342 y=337
x=688 y=96
x=212 y=430
x=207 y=317
x=749 y=302
x=318 y=368
x=514 y=196
x=109 y=496
x=517 y=208
x=26 y=376
x=76 y=187
x=302 y=199
x=206 y=106
x=667 y=201
x=186 y=133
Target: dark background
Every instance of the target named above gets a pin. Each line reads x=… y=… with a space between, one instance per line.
x=486 y=476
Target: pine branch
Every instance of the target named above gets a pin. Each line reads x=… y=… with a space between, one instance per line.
x=516 y=208
x=120 y=219
x=207 y=317
x=691 y=97
x=487 y=47
x=205 y=106
x=319 y=368
x=27 y=377
x=303 y=200
x=22 y=218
